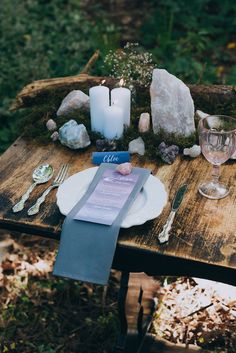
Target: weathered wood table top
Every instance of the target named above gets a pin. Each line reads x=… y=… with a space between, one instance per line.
x=202 y=241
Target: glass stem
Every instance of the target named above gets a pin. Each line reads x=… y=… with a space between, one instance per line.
x=215 y=173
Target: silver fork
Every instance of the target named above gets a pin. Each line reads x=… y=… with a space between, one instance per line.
x=61 y=176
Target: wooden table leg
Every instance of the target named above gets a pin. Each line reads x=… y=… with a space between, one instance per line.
x=121 y=341
x=135 y=308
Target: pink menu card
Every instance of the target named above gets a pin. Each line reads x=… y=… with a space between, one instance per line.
x=108 y=198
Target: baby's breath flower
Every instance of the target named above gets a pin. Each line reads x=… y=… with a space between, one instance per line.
x=131 y=64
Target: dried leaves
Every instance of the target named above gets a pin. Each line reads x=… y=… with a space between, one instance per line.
x=196 y=311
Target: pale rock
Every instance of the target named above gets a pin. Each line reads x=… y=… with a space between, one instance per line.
x=171 y=104
x=144 y=122
x=51 y=125
x=193 y=151
x=55 y=136
x=124 y=168
x=74 y=135
x=74 y=101
x=201 y=115
x=137 y=146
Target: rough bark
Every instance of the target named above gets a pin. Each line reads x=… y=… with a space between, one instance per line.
x=209 y=98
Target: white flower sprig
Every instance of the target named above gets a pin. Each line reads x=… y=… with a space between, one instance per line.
x=131 y=64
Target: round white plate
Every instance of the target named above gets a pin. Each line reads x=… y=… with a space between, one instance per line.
x=148 y=204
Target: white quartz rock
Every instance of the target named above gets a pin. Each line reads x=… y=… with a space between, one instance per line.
x=193 y=151
x=201 y=114
x=137 y=146
x=74 y=135
x=171 y=104
x=74 y=101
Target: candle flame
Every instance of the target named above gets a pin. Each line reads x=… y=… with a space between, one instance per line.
x=121 y=83
x=103 y=81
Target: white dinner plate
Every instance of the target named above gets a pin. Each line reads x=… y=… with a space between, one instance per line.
x=148 y=204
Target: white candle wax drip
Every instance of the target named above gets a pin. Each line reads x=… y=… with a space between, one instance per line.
x=113 y=122
x=99 y=99
x=122 y=97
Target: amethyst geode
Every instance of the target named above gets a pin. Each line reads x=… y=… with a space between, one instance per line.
x=167 y=153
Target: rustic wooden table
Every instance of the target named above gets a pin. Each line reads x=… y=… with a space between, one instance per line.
x=202 y=241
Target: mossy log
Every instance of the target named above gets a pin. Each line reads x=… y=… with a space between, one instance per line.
x=209 y=98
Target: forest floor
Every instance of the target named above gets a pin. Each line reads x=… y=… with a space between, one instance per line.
x=44 y=314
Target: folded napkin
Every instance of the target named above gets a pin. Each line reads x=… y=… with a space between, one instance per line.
x=86 y=248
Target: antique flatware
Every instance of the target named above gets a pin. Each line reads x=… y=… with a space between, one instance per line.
x=61 y=176
x=41 y=174
x=163 y=237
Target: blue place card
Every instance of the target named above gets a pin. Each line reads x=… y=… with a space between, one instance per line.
x=110 y=157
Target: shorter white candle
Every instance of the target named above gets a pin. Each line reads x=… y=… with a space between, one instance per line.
x=122 y=97
x=99 y=99
x=113 y=122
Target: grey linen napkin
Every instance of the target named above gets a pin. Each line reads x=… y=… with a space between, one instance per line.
x=86 y=249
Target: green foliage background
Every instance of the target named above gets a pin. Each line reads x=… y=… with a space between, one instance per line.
x=195 y=40
x=49 y=38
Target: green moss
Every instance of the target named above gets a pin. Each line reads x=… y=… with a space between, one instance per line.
x=152 y=141
x=34 y=127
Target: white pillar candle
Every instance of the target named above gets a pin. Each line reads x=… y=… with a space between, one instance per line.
x=113 y=122
x=122 y=97
x=99 y=99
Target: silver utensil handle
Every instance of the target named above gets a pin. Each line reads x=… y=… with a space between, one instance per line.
x=35 y=208
x=163 y=237
x=20 y=205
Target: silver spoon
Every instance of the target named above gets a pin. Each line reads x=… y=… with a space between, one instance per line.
x=40 y=175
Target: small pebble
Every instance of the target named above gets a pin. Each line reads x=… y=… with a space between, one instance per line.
x=137 y=146
x=55 y=136
x=193 y=151
x=51 y=125
x=124 y=168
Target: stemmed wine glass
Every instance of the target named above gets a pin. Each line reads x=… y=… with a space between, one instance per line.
x=217 y=136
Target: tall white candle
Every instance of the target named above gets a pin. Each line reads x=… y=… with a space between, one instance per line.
x=113 y=122
x=122 y=97
x=99 y=99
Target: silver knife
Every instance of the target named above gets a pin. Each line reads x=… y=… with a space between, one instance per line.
x=163 y=237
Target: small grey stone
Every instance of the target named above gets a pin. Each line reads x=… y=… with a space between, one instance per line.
x=103 y=145
x=51 y=125
x=74 y=135
x=171 y=104
x=137 y=146
x=168 y=153
x=55 y=136
x=73 y=102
